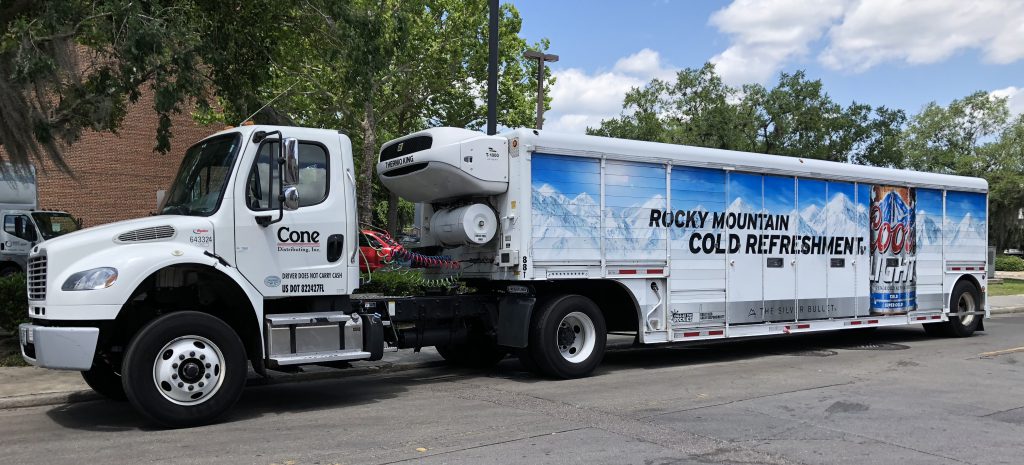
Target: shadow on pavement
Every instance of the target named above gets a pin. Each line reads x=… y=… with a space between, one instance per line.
x=301 y=396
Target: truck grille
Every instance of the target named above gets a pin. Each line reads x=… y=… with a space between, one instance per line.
x=154 y=233
x=37 y=278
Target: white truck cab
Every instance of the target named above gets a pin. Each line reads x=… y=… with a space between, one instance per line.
x=224 y=248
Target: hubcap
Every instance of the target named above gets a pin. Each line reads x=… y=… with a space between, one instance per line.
x=965 y=305
x=188 y=370
x=575 y=337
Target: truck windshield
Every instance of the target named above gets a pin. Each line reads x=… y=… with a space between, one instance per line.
x=203 y=176
x=53 y=224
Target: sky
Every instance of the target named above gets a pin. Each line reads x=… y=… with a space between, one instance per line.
x=898 y=53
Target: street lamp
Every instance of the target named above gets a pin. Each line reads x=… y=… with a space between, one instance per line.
x=541 y=57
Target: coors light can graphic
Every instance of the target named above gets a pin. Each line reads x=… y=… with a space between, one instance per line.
x=893 y=250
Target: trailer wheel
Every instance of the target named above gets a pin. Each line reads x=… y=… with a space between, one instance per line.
x=568 y=336
x=964 y=299
x=102 y=379
x=184 y=369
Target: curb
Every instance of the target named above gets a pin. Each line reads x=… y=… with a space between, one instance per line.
x=1006 y=310
x=71 y=397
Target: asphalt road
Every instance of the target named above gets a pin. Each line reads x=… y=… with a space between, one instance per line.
x=892 y=396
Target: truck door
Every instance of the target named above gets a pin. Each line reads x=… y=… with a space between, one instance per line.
x=844 y=228
x=811 y=262
x=744 y=296
x=779 y=249
x=20 y=234
x=303 y=254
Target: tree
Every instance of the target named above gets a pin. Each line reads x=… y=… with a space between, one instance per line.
x=67 y=66
x=380 y=69
x=975 y=136
x=794 y=118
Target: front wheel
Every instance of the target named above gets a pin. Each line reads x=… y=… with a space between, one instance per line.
x=568 y=337
x=107 y=383
x=184 y=369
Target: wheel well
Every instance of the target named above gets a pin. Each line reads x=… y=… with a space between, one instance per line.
x=620 y=310
x=977 y=285
x=187 y=287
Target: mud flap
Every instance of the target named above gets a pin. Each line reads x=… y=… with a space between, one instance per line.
x=514 y=314
x=373 y=336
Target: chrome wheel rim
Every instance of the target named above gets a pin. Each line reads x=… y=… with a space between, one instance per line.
x=965 y=305
x=188 y=370
x=576 y=337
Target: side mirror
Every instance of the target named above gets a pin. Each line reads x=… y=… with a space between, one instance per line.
x=291 y=162
x=290 y=174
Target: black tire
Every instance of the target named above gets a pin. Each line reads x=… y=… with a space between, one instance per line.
x=526 y=360
x=552 y=331
x=473 y=354
x=965 y=298
x=105 y=381
x=144 y=355
x=9 y=270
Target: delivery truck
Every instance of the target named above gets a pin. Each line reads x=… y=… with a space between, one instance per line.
x=24 y=224
x=561 y=240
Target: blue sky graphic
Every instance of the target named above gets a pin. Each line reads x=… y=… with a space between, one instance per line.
x=779 y=194
x=811 y=192
x=746 y=187
x=958 y=204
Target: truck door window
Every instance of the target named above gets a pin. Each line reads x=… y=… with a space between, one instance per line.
x=262 y=188
x=19 y=226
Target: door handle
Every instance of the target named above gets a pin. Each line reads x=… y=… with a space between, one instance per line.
x=335 y=247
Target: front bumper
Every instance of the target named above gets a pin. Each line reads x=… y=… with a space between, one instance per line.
x=61 y=348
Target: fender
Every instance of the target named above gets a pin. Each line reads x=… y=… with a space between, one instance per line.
x=134 y=264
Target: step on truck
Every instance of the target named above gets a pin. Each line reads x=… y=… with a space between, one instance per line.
x=254 y=259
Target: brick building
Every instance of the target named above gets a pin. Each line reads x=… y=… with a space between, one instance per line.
x=116 y=176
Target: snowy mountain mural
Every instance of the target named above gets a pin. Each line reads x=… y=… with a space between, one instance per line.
x=567 y=217
x=965 y=229
x=929 y=220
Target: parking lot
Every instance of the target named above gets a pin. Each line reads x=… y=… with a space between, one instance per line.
x=888 y=396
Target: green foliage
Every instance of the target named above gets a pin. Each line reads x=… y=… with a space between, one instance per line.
x=1009 y=263
x=377 y=70
x=393 y=283
x=67 y=66
x=13 y=301
x=795 y=118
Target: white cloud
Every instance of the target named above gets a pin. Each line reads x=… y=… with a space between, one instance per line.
x=925 y=31
x=1014 y=98
x=768 y=33
x=860 y=34
x=580 y=99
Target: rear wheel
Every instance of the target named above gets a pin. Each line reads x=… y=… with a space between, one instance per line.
x=567 y=337
x=107 y=383
x=184 y=369
x=964 y=301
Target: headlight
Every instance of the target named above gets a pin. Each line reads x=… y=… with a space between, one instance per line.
x=96 y=278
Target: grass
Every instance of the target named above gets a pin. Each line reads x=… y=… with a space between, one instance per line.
x=10 y=353
x=1007 y=287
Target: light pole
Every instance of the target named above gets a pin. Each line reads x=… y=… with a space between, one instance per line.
x=541 y=57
